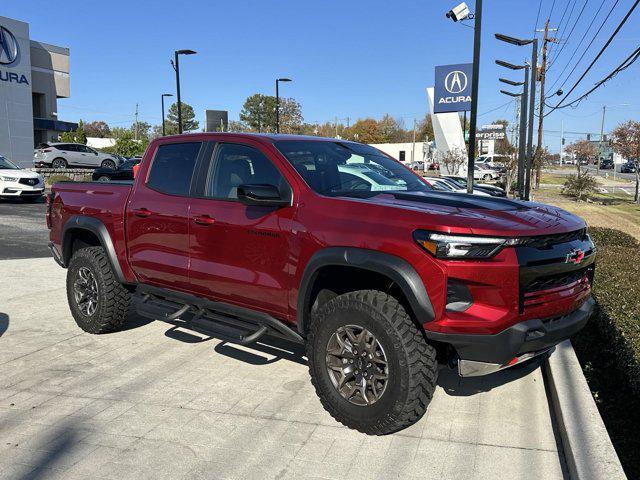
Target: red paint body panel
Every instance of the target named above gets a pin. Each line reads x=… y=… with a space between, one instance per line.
x=257 y=260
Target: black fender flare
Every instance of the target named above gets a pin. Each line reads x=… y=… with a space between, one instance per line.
x=95 y=226
x=393 y=267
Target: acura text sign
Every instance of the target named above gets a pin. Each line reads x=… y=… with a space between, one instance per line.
x=452 y=91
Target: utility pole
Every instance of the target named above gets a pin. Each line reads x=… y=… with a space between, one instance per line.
x=413 y=147
x=135 y=134
x=561 y=141
x=336 y=125
x=541 y=78
x=604 y=109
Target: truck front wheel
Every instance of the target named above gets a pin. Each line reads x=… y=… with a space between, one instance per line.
x=369 y=363
x=98 y=302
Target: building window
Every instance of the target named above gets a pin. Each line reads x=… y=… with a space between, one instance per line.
x=37 y=100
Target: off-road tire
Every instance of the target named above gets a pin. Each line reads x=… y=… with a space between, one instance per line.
x=113 y=298
x=412 y=361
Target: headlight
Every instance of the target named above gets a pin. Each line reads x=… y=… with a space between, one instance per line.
x=447 y=246
x=8 y=179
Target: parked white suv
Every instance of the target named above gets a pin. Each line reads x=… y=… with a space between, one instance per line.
x=63 y=155
x=18 y=183
x=481 y=172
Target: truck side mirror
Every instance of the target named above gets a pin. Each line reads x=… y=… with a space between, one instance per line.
x=261 y=195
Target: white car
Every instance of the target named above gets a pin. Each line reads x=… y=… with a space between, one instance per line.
x=481 y=172
x=358 y=178
x=63 y=155
x=443 y=185
x=18 y=183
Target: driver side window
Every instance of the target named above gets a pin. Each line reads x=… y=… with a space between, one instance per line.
x=234 y=165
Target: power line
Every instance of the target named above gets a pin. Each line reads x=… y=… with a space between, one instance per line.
x=537 y=17
x=575 y=65
x=604 y=47
x=497 y=108
x=570 y=32
x=623 y=66
x=551 y=11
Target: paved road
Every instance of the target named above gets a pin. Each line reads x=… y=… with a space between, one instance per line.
x=23 y=233
x=620 y=176
x=157 y=402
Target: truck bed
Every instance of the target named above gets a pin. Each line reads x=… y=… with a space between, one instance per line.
x=104 y=201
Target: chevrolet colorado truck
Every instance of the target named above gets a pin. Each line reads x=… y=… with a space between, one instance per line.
x=332 y=244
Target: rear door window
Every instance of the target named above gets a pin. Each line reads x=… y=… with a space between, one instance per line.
x=173 y=166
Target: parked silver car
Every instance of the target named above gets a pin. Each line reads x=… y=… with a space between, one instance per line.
x=63 y=155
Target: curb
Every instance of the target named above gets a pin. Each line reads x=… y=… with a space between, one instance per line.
x=588 y=450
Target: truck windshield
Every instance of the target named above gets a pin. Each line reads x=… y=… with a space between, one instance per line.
x=347 y=168
x=7 y=165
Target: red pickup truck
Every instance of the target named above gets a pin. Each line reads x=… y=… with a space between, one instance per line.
x=332 y=244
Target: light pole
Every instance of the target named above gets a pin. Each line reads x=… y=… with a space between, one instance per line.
x=176 y=67
x=532 y=99
x=522 y=147
x=162 y=102
x=475 y=78
x=278 y=80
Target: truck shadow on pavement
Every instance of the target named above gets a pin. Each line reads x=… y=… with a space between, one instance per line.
x=277 y=348
x=455 y=385
x=4 y=323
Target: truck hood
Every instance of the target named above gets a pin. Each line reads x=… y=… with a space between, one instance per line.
x=472 y=214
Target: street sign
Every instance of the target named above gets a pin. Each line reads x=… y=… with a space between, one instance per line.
x=216 y=120
x=491 y=132
x=452 y=88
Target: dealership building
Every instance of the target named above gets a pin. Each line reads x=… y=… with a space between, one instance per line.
x=33 y=76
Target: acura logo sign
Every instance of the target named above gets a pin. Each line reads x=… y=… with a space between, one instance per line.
x=8 y=47
x=455 y=82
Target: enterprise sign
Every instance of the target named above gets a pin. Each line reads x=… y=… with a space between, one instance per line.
x=491 y=132
x=452 y=88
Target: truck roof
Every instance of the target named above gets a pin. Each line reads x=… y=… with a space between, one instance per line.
x=270 y=137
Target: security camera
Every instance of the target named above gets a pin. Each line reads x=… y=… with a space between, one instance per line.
x=461 y=12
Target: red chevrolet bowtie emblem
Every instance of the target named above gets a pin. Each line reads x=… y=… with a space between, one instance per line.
x=575 y=256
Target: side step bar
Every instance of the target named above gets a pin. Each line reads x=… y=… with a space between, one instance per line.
x=236 y=324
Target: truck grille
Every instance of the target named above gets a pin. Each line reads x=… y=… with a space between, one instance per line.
x=547 y=241
x=554 y=287
x=549 y=278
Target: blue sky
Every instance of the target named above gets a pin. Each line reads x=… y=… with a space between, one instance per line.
x=347 y=59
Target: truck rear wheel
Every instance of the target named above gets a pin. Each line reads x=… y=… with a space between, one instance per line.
x=369 y=363
x=98 y=302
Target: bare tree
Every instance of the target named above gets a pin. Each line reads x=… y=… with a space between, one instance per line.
x=453 y=160
x=626 y=142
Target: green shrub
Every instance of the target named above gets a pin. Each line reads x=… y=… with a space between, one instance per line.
x=609 y=237
x=616 y=289
x=57 y=178
x=580 y=186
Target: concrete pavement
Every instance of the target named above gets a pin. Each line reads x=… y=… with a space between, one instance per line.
x=23 y=233
x=157 y=402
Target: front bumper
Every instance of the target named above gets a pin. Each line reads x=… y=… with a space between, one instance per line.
x=484 y=354
x=21 y=192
